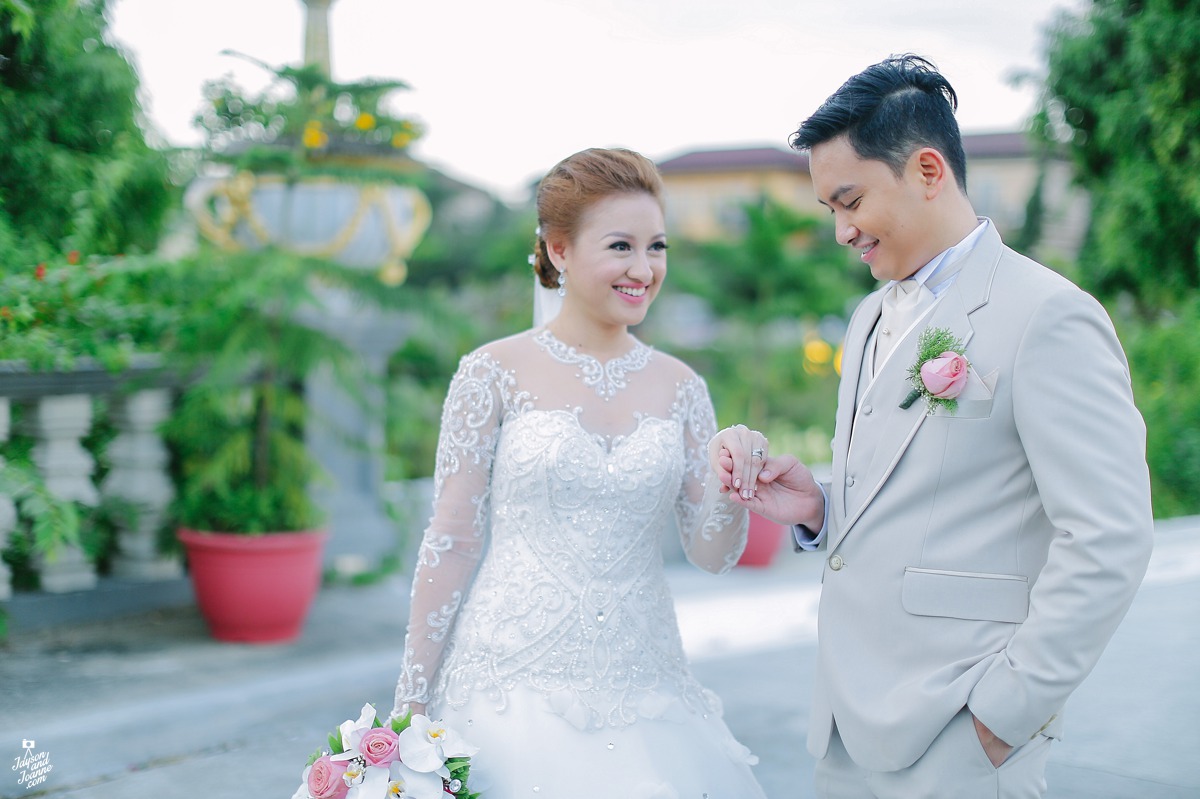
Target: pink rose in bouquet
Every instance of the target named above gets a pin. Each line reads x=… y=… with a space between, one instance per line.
x=378 y=746
x=324 y=779
x=945 y=376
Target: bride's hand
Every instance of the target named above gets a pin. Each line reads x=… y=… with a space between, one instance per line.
x=786 y=493
x=736 y=455
x=412 y=707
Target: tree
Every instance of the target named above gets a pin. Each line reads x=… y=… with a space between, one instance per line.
x=1123 y=88
x=1165 y=365
x=786 y=265
x=1123 y=93
x=76 y=171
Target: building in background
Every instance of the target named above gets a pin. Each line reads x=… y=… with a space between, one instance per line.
x=707 y=189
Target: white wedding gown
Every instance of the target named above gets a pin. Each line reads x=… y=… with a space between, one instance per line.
x=542 y=627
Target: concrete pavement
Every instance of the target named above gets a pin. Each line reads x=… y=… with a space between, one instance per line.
x=151 y=707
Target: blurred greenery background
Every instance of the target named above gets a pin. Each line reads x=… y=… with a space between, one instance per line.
x=99 y=261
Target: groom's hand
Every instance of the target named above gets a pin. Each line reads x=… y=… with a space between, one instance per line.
x=786 y=493
x=996 y=749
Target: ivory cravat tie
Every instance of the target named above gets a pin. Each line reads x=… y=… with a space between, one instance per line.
x=903 y=303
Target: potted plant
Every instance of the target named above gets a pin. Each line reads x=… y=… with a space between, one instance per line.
x=311 y=165
x=251 y=529
x=283 y=252
x=762 y=541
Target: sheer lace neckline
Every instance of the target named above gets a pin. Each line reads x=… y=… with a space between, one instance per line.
x=606 y=378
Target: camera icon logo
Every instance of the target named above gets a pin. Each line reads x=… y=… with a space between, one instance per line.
x=27 y=744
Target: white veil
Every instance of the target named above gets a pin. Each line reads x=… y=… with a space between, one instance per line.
x=546 y=303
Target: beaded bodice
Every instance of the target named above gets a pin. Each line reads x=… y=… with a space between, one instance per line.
x=542 y=566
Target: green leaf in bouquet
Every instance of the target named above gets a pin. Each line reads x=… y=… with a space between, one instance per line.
x=400 y=725
x=460 y=769
x=335 y=743
x=314 y=757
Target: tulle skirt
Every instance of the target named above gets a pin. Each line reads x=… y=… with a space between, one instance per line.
x=527 y=751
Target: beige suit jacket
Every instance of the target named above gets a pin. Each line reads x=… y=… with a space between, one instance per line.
x=983 y=558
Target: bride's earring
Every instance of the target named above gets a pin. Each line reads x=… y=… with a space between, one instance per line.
x=562 y=284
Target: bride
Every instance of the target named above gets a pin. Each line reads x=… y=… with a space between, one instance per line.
x=541 y=624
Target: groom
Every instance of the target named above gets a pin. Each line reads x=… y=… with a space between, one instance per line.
x=981 y=546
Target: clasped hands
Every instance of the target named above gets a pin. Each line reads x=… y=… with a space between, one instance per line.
x=778 y=487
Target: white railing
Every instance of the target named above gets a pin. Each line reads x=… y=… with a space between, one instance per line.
x=57 y=413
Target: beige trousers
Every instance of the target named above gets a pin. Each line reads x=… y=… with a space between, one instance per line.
x=954 y=767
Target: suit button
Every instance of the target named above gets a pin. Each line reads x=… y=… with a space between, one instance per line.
x=849 y=481
x=836 y=563
x=867 y=410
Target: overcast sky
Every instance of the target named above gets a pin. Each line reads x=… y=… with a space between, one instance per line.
x=506 y=89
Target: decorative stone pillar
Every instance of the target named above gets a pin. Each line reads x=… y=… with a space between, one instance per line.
x=8 y=510
x=58 y=423
x=350 y=439
x=316 y=34
x=138 y=475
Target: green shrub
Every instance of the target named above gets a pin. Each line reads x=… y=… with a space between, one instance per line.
x=76 y=171
x=1164 y=359
x=54 y=313
x=247 y=332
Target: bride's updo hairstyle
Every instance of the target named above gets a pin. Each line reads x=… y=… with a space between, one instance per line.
x=578 y=182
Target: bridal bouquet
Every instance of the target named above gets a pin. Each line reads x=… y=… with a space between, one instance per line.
x=410 y=758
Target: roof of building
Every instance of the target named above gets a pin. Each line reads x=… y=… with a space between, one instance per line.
x=708 y=161
x=1013 y=144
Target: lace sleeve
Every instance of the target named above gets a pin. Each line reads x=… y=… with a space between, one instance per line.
x=713 y=531
x=454 y=539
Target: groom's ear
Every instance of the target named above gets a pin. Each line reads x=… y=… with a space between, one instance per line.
x=929 y=167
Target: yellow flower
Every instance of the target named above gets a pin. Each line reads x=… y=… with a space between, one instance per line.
x=818 y=351
x=401 y=140
x=313 y=136
x=365 y=121
x=817 y=356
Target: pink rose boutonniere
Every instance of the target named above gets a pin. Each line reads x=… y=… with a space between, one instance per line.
x=940 y=371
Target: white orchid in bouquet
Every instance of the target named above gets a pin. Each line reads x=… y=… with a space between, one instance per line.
x=409 y=758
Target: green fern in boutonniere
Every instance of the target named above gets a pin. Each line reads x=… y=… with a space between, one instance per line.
x=940 y=371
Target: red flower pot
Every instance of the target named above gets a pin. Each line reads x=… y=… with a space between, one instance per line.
x=254 y=588
x=763 y=541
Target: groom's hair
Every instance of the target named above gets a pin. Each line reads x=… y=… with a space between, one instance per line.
x=888 y=111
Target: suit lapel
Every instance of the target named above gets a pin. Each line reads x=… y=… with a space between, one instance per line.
x=896 y=427
x=854 y=361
